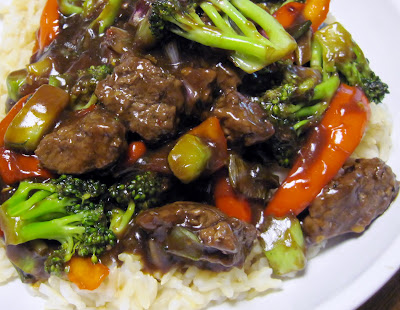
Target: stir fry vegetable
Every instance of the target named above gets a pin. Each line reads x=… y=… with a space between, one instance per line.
x=252 y=50
x=325 y=152
x=16 y=167
x=284 y=244
x=49 y=26
x=36 y=118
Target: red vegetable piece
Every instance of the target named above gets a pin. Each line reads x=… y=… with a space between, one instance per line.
x=328 y=147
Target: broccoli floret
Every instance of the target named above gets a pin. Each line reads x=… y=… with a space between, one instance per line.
x=284 y=150
x=82 y=85
x=335 y=53
x=300 y=99
x=229 y=25
x=67 y=210
x=82 y=93
x=297 y=85
x=140 y=192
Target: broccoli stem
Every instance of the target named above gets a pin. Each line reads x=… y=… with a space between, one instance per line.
x=107 y=16
x=68 y=8
x=209 y=36
x=247 y=63
x=121 y=219
x=276 y=33
x=12 y=205
x=248 y=29
x=57 y=229
x=48 y=208
x=326 y=89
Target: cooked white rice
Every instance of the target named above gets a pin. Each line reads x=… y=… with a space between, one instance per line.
x=128 y=287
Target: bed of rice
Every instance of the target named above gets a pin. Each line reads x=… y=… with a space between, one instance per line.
x=128 y=287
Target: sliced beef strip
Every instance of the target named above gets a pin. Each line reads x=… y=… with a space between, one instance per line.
x=242 y=120
x=362 y=190
x=148 y=100
x=224 y=242
x=82 y=144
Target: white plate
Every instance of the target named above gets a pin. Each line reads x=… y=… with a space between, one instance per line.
x=348 y=273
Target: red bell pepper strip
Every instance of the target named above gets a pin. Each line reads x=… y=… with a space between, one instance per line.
x=328 y=147
x=316 y=11
x=292 y=13
x=228 y=202
x=14 y=166
x=288 y=14
x=49 y=26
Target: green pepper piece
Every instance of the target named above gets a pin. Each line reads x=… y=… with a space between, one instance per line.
x=41 y=67
x=36 y=118
x=67 y=7
x=14 y=82
x=189 y=158
x=284 y=244
x=107 y=16
x=184 y=243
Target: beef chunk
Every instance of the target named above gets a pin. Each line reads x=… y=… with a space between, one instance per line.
x=195 y=233
x=362 y=190
x=198 y=83
x=148 y=100
x=227 y=78
x=242 y=120
x=83 y=144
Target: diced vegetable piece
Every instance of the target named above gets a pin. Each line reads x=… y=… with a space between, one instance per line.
x=36 y=118
x=229 y=202
x=189 y=158
x=211 y=131
x=14 y=81
x=184 y=243
x=41 y=67
x=136 y=150
x=85 y=274
x=316 y=11
x=289 y=14
x=14 y=166
x=284 y=244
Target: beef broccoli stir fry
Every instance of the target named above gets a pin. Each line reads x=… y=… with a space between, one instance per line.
x=185 y=132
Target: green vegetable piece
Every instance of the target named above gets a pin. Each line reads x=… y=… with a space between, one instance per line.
x=107 y=16
x=189 y=158
x=68 y=210
x=139 y=192
x=184 y=243
x=67 y=7
x=41 y=67
x=284 y=244
x=234 y=27
x=14 y=82
x=36 y=118
x=334 y=52
x=120 y=219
